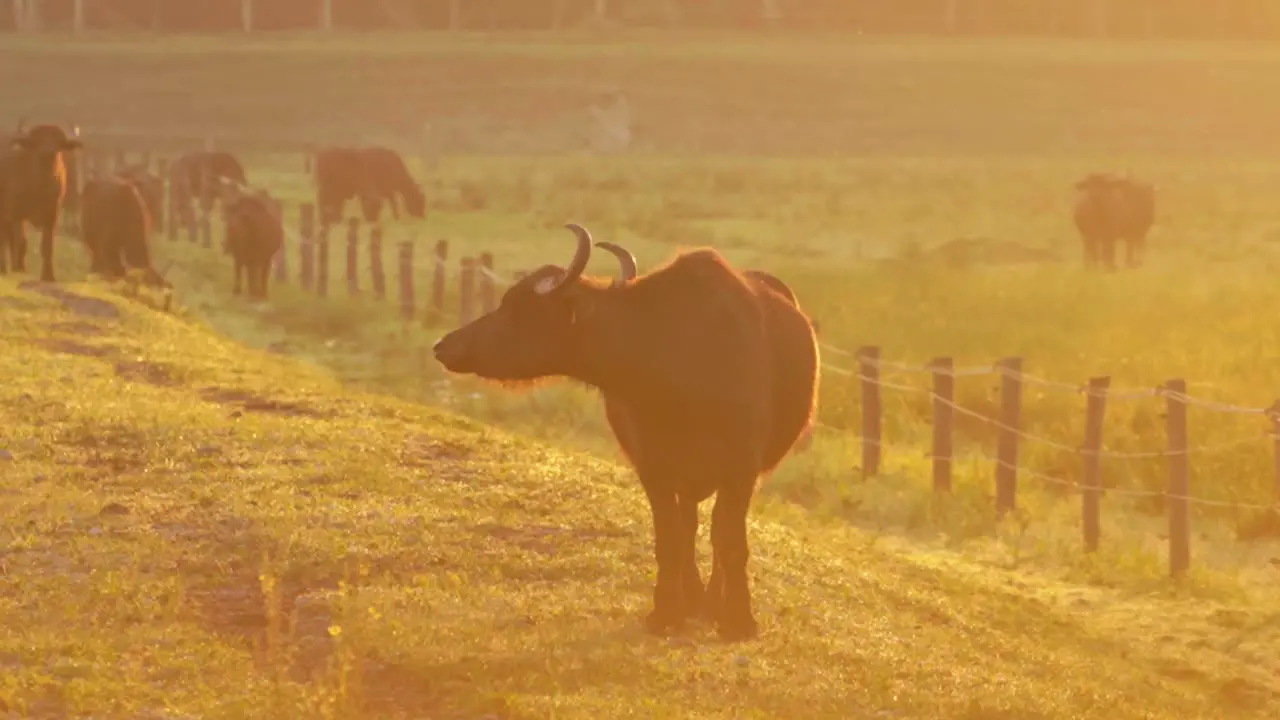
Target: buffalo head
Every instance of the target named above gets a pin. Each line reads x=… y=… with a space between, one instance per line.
x=46 y=140
x=549 y=323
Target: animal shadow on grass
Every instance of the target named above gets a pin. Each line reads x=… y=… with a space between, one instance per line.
x=81 y=305
x=251 y=402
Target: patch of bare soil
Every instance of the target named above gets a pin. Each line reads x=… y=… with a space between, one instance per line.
x=71 y=347
x=252 y=402
x=77 y=304
x=290 y=623
x=77 y=327
x=17 y=303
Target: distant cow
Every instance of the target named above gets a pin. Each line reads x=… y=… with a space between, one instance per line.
x=189 y=173
x=149 y=185
x=370 y=174
x=711 y=378
x=254 y=236
x=115 y=227
x=33 y=183
x=1111 y=209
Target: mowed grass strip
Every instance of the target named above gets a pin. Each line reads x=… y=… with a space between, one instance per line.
x=205 y=530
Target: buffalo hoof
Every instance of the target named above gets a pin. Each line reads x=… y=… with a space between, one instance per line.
x=47 y=276
x=737 y=629
x=663 y=624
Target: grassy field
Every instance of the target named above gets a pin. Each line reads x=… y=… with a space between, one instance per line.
x=902 y=593
x=196 y=529
x=780 y=95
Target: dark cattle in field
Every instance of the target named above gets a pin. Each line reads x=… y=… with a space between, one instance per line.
x=188 y=174
x=149 y=185
x=116 y=229
x=710 y=377
x=372 y=175
x=33 y=183
x=1111 y=209
x=254 y=236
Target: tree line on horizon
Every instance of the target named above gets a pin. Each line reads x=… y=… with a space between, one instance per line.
x=1223 y=19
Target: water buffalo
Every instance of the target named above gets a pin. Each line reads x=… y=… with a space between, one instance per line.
x=1111 y=209
x=115 y=227
x=150 y=186
x=372 y=175
x=710 y=378
x=254 y=236
x=190 y=172
x=33 y=183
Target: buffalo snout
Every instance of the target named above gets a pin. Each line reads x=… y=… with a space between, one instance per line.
x=455 y=352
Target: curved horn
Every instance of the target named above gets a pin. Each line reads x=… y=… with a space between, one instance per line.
x=579 y=262
x=625 y=259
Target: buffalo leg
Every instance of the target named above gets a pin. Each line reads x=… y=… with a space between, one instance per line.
x=237 y=267
x=18 y=247
x=46 y=253
x=1133 y=252
x=6 y=241
x=263 y=271
x=1109 y=253
x=690 y=579
x=734 y=620
x=667 y=615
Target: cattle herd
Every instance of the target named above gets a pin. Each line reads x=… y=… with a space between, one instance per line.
x=709 y=374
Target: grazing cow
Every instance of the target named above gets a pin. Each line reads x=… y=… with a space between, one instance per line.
x=372 y=175
x=33 y=183
x=116 y=228
x=1111 y=209
x=710 y=377
x=254 y=236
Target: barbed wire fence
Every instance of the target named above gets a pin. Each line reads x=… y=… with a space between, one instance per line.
x=476 y=285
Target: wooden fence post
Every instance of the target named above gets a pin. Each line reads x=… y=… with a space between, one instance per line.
x=406 y=279
x=1178 y=496
x=1274 y=415
x=164 y=218
x=353 y=256
x=944 y=390
x=439 y=278
x=322 y=261
x=1007 y=440
x=488 y=289
x=306 y=245
x=1091 y=492
x=206 y=209
x=282 y=255
x=375 y=262
x=466 y=291
x=869 y=377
